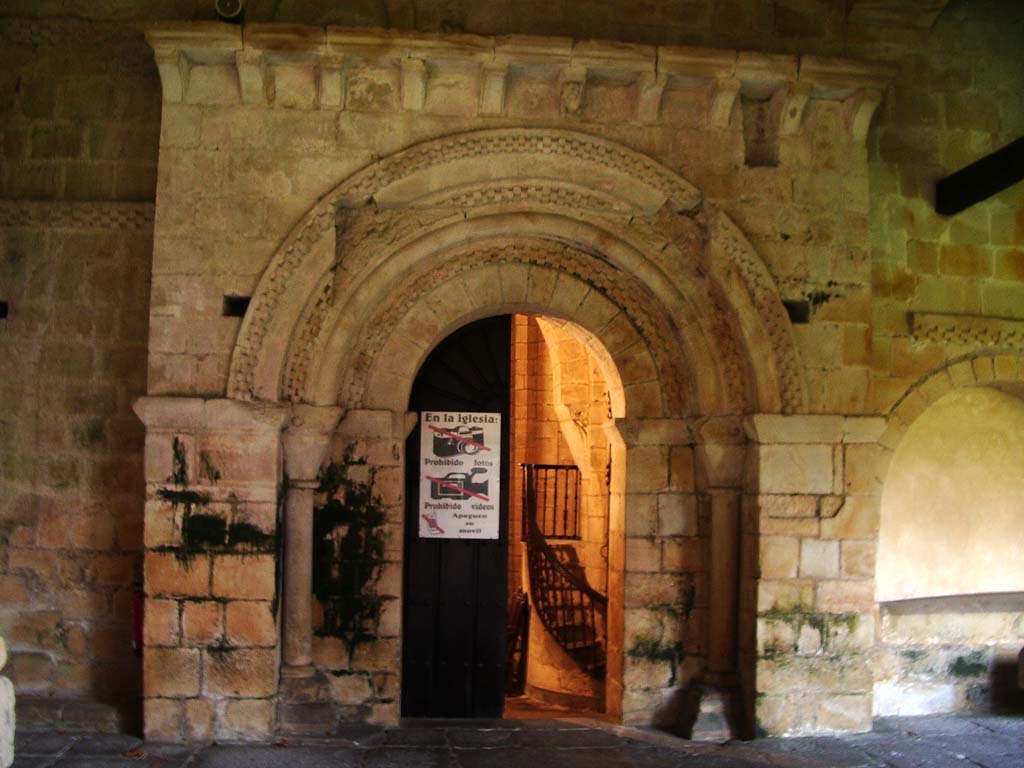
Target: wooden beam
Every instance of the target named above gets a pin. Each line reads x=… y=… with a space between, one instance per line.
x=980 y=180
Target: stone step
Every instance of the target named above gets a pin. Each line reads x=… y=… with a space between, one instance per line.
x=77 y=715
x=307 y=719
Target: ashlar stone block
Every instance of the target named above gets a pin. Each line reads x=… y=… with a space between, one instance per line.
x=819 y=559
x=795 y=469
x=250 y=624
x=779 y=557
x=246 y=719
x=245 y=577
x=170 y=672
x=166 y=575
x=247 y=673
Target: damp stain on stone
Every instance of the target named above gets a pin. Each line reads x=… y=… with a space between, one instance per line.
x=657 y=650
x=348 y=552
x=204 y=531
x=827 y=625
x=972 y=664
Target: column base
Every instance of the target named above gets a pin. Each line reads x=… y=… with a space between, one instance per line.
x=301 y=670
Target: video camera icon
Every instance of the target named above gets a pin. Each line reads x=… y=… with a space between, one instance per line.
x=460 y=486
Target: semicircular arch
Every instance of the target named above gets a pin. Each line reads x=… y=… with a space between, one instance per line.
x=635 y=216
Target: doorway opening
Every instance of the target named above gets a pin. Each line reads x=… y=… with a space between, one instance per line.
x=525 y=620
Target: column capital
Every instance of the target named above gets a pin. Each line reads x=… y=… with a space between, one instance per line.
x=305 y=439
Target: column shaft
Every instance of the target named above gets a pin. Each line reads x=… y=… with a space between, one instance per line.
x=298 y=577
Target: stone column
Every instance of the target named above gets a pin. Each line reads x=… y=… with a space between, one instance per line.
x=306 y=440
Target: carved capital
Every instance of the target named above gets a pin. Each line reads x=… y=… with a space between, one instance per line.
x=306 y=440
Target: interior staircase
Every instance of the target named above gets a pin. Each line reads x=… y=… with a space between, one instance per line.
x=572 y=611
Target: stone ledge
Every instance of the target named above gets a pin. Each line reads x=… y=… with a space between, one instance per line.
x=773 y=428
x=259 y=51
x=38 y=712
x=168 y=414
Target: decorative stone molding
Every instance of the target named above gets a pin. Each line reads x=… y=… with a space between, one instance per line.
x=136 y=217
x=654 y=328
x=328 y=53
x=967 y=330
x=56 y=32
x=631 y=200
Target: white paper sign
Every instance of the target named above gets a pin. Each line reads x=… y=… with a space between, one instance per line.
x=460 y=475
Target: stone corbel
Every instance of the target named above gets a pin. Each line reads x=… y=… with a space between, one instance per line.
x=254 y=85
x=651 y=89
x=493 y=79
x=572 y=90
x=332 y=87
x=793 y=103
x=859 y=109
x=723 y=99
x=414 y=84
x=174 y=68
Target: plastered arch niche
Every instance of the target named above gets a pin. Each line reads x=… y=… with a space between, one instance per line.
x=953 y=500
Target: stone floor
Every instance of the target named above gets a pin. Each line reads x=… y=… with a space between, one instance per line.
x=923 y=742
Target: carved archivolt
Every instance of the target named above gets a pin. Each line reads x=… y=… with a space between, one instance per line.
x=740 y=258
x=634 y=301
x=634 y=233
x=522 y=142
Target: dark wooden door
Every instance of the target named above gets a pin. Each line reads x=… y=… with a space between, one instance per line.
x=453 y=652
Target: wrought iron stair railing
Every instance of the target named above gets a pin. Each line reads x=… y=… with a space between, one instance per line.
x=573 y=612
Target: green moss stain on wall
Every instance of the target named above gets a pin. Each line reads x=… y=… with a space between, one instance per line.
x=204 y=530
x=348 y=552
x=827 y=626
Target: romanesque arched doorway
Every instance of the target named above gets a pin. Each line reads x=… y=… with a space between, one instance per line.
x=557 y=224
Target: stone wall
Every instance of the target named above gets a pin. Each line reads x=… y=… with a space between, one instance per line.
x=956 y=99
x=813 y=501
x=79 y=118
